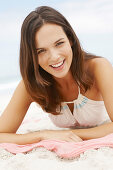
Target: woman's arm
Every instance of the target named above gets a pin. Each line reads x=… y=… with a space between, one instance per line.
x=96 y=132
x=103 y=73
x=12 y=117
x=15 y=111
x=20 y=139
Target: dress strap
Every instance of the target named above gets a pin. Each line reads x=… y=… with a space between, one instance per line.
x=78 y=90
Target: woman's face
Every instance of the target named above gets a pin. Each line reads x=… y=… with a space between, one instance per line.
x=53 y=50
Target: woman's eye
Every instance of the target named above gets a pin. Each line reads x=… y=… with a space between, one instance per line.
x=59 y=43
x=41 y=51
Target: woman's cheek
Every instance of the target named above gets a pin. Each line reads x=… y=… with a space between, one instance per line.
x=40 y=61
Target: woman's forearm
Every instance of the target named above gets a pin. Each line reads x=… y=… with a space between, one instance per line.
x=20 y=139
x=95 y=132
x=34 y=137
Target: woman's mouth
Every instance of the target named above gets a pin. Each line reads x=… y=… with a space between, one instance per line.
x=58 y=66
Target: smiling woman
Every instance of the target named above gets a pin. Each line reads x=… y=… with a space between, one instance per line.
x=65 y=81
x=52 y=41
x=56 y=57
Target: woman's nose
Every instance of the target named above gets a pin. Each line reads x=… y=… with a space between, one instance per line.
x=54 y=56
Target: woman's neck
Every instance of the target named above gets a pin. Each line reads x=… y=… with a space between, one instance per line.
x=65 y=82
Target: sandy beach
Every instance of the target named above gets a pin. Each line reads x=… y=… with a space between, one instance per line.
x=92 y=22
x=41 y=158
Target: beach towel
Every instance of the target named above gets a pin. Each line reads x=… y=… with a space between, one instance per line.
x=61 y=148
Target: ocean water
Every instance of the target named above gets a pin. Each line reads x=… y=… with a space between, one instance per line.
x=9 y=72
x=7 y=88
x=9 y=82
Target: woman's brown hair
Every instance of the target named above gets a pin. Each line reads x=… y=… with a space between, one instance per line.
x=39 y=83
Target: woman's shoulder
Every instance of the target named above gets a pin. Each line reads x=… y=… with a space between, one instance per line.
x=92 y=64
x=95 y=66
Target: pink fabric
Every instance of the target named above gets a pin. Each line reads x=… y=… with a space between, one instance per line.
x=62 y=148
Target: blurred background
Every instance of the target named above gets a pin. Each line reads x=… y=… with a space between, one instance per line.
x=92 y=21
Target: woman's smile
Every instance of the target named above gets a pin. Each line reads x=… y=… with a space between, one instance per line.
x=54 y=50
x=58 y=66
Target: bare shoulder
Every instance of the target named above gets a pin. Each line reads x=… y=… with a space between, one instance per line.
x=98 y=62
x=97 y=65
x=102 y=71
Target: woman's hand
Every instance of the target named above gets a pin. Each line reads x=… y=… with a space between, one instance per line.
x=65 y=135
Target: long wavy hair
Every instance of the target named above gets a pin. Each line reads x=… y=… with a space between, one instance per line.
x=39 y=83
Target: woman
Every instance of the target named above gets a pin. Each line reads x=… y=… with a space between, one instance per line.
x=73 y=87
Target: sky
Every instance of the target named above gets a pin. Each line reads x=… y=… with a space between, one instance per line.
x=92 y=21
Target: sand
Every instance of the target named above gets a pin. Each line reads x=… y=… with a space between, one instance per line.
x=41 y=159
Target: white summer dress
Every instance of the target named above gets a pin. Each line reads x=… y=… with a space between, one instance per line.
x=86 y=113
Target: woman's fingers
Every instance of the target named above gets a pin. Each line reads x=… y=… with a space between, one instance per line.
x=67 y=136
x=75 y=138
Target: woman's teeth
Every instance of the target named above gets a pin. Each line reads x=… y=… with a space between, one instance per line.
x=57 y=65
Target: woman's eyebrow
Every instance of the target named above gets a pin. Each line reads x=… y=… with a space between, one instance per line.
x=58 y=40
x=54 y=43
